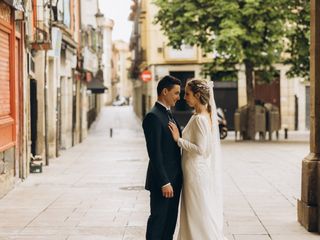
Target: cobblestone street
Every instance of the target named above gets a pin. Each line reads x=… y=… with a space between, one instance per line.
x=95 y=189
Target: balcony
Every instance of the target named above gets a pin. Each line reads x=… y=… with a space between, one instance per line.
x=42 y=29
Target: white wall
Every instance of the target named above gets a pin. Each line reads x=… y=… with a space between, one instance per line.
x=106 y=60
x=88 y=9
x=66 y=100
x=39 y=76
x=53 y=83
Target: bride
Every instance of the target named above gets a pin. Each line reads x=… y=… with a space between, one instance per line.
x=201 y=213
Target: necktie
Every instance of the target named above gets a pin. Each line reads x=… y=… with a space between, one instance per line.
x=170 y=116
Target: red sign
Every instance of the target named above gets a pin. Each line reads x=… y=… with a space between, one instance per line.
x=146 y=76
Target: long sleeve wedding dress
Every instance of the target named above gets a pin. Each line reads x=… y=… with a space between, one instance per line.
x=201 y=211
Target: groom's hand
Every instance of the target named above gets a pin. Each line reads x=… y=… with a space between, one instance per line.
x=167 y=191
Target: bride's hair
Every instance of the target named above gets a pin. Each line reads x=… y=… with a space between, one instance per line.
x=201 y=87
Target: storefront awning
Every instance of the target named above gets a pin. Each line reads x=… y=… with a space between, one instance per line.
x=17 y=4
x=96 y=84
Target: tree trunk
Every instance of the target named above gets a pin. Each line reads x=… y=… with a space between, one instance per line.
x=250 y=127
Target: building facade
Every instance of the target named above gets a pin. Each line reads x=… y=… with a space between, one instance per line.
x=149 y=51
x=12 y=143
x=93 y=27
x=290 y=95
x=49 y=52
x=121 y=85
x=107 y=59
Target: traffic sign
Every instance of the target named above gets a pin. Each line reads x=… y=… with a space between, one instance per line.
x=146 y=76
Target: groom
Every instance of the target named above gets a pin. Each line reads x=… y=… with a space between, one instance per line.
x=164 y=175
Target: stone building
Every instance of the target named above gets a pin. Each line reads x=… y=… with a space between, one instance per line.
x=121 y=85
x=12 y=104
x=149 y=50
x=49 y=52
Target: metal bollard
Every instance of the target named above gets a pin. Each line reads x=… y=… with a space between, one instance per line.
x=286 y=133
x=111 y=132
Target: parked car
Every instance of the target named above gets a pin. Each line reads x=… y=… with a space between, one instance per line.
x=120 y=101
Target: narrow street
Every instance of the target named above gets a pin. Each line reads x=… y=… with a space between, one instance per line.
x=95 y=189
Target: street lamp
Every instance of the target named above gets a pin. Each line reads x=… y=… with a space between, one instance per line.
x=100 y=22
x=99 y=18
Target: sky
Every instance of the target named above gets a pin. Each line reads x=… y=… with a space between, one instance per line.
x=118 y=11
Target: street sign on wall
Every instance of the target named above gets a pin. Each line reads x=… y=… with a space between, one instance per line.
x=146 y=76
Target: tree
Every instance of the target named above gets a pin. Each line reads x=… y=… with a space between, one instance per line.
x=298 y=35
x=240 y=32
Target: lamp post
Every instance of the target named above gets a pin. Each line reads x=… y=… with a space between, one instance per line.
x=99 y=18
x=100 y=22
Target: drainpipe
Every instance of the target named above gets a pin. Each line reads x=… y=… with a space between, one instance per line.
x=46 y=109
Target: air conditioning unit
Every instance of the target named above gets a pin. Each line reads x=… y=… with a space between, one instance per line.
x=28 y=29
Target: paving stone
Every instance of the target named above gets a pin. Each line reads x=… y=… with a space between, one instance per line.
x=95 y=190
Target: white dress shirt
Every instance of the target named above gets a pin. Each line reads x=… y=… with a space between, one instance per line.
x=161 y=103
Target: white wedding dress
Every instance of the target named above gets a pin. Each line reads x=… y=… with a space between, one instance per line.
x=201 y=210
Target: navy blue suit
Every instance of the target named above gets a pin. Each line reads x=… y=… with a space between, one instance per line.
x=164 y=167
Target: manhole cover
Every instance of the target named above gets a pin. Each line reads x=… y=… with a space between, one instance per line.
x=130 y=160
x=132 y=188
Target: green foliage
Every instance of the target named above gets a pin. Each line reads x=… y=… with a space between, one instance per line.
x=266 y=75
x=239 y=31
x=299 y=35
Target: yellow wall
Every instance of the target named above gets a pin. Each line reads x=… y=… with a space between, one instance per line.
x=155 y=42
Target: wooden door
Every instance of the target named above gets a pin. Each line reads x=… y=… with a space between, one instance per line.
x=268 y=92
x=7 y=79
x=5 y=103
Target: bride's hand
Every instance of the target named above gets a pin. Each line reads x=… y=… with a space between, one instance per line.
x=174 y=130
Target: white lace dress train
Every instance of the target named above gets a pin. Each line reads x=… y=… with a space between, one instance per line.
x=201 y=211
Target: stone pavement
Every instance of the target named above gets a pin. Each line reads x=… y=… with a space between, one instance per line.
x=95 y=189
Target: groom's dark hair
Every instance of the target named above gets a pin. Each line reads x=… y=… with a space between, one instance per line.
x=167 y=82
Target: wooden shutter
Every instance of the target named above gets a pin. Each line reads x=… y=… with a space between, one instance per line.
x=7 y=79
x=5 y=73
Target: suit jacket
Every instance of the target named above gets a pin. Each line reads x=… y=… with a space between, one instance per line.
x=164 y=153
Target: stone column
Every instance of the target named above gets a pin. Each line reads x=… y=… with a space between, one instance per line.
x=309 y=205
x=242 y=86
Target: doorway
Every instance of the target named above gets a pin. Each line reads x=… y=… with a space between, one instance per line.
x=226 y=97
x=33 y=115
x=268 y=92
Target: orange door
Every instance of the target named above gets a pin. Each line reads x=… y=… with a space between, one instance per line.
x=7 y=79
x=5 y=73
x=6 y=121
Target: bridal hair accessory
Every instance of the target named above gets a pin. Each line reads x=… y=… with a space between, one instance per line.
x=210 y=84
x=200 y=84
x=204 y=85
